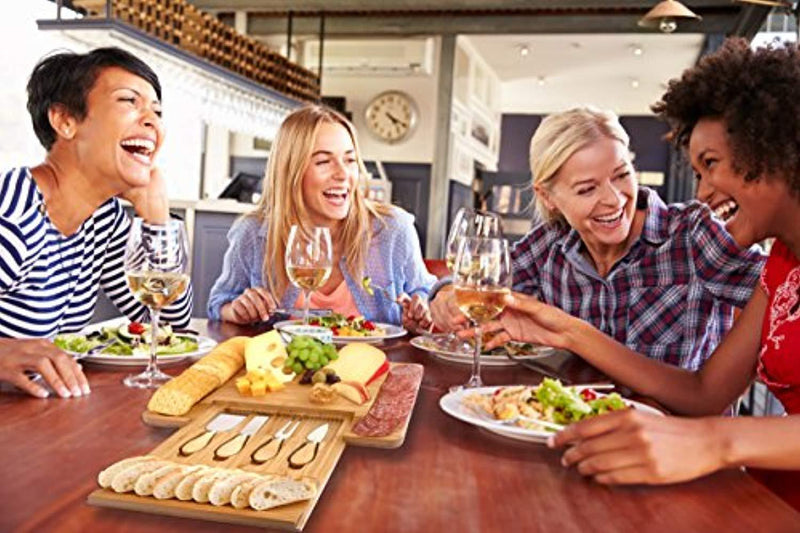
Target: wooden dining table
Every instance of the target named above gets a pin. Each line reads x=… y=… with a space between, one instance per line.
x=447 y=476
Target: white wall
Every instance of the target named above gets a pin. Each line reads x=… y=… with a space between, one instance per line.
x=360 y=90
x=23 y=47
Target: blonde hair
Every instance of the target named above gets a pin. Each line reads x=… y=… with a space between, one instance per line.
x=559 y=136
x=282 y=203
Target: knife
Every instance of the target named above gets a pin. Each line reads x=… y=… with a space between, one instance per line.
x=221 y=422
x=234 y=445
x=303 y=454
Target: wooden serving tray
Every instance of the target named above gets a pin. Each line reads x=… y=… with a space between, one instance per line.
x=291 y=403
x=293 y=397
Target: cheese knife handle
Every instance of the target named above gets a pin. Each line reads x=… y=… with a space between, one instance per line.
x=303 y=455
x=197 y=443
x=266 y=451
x=230 y=447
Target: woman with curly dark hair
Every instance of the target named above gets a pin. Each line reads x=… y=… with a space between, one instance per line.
x=738 y=114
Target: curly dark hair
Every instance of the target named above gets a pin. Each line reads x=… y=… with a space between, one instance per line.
x=757 y=95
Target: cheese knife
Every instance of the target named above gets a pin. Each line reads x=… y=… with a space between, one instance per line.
x=304 y=453
x=221 y=422
x=235 y=444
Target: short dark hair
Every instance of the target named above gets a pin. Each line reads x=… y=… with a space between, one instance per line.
x=66 y=78
x=755 y=94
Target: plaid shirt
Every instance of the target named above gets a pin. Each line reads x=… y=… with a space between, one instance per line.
x=669 y=298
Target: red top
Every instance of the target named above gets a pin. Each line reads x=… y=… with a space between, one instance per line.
x=779 y=362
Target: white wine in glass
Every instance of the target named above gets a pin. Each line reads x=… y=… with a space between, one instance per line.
x=482 y=278
x=156 y=268
x=309 y=260
x=467 y=223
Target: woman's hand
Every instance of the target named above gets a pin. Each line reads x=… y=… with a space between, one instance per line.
x=150 y=201
x=526 y=319
x=634 y=447
x=416 y=315
x=446 y=314
x=253 y=305
x=58 y=369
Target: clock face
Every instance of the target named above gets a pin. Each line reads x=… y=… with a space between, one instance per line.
x=391 y=116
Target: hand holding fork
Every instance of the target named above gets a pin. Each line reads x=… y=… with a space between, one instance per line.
x=416 y=315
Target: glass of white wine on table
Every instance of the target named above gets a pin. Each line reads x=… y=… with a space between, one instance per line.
x=156 y=267
x=482 y=279
x=467 y=223
x=309 y=260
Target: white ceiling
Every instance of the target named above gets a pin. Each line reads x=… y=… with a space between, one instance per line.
x=578 y=69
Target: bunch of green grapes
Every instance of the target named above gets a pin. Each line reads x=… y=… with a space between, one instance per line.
x=308 y=353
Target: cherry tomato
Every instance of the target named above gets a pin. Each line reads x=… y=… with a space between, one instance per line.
x=368 y=325
x=135 y=328
x=588 y=394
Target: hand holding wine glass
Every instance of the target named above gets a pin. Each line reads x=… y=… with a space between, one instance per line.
x=482 y=278
x=156 y=267
x=309 y=260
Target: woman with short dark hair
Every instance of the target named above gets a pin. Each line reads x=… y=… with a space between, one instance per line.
x=62 y=226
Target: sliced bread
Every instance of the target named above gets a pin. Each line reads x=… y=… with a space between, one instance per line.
x=276 y=492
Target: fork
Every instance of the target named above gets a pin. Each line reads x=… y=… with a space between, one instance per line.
x=543 y=423
x=273 y=446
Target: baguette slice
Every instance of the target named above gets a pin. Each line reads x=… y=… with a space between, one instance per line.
x=221 y=490
x=240 y=497
x=203 y=485
x=126 y=479
x=164 y=489
x=184 y=489
x=274 y=493
x=105 y=477
x=146 y=482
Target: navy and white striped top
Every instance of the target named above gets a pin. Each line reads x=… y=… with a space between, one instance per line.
x=48 y=282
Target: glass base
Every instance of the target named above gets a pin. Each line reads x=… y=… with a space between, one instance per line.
x=474 y=382
x=149 y=379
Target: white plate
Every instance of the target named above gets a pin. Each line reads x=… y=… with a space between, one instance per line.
x=392 y=332
x=424 y=342
x=452 y=404
x=204 y=345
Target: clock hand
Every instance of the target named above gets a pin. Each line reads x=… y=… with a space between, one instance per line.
x=396 y=120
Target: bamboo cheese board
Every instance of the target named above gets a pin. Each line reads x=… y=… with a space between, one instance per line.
x=284 y=407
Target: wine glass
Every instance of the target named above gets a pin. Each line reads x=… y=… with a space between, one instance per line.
x=309 y=260
x=467 y=223
x=482 y=277
x=470 y=223
x=156 y=267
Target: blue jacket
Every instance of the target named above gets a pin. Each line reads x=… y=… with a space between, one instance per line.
x=394 y=260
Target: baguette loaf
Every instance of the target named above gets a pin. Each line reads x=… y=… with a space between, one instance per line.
x=178 y=395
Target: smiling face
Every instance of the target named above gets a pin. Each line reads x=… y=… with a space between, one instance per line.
x=330 y=178
x=596 y=191
x=722 y=205
x=122 y=131
x=749 y=222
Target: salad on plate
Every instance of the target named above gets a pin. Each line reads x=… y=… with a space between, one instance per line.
x=129 y=339
x=350 y=326
x=550 y=402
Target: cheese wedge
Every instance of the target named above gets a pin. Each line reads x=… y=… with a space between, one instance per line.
x=267 y=352
x=353 y=391
x=360 y=362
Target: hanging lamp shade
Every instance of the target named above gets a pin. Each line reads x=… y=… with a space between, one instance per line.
x=665 y=14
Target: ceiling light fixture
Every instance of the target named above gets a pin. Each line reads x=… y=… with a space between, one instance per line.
x=524 y=50
x=637 y=50
x=665 y=14
x=634 y=83
x=773 y=3
x=541 y=81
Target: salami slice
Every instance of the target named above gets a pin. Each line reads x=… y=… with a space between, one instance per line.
x=393 y=405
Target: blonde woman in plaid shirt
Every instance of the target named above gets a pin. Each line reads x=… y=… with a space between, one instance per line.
x=659 y=279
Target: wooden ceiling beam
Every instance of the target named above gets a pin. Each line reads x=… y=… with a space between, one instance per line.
x=259 y=24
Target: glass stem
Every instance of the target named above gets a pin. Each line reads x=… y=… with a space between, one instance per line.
x=306 y=303
x=475 y=379
x=152 y=366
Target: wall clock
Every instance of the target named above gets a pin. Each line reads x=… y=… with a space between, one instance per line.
x=391 y=116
